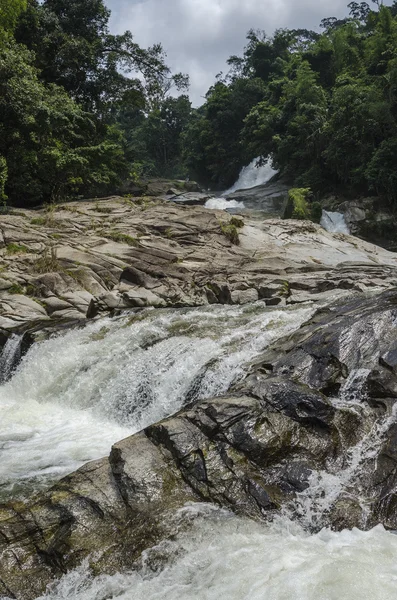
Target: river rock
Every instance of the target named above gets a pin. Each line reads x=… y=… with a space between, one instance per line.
x=295 y=416
x=269 y=198
x=83 y=259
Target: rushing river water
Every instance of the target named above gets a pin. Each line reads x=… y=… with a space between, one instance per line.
x=224 y=557
x=74 y=395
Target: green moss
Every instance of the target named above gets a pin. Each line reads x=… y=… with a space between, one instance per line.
x=78 y=275
x=32 y=290
x=48 y=263
x=230 y=231
x=285 y=289
x=239 y=223
x=71 y=209
x=122 y=238
x=106 y=210
x=39 y=221
x=16 y=249
x=16 y=289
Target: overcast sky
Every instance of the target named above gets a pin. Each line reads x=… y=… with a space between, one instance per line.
x=200 y=35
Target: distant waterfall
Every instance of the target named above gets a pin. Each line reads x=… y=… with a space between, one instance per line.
x=334 y=222
x=252 y=176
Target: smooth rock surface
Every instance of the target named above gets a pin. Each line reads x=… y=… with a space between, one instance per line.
x=58 y=264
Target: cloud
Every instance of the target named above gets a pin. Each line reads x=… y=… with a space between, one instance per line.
x=200 y=35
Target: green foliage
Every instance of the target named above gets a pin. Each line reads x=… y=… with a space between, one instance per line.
x=52 y=147
x=122 y=238
x=323 y=107
x=212 y=146
x=230 y=231
x=66 y=86
x=16 y=288
x=237 y=222
x=48 y=262
x=16 y=249
x=298 y=206
x=154 y=141
x=10 y=11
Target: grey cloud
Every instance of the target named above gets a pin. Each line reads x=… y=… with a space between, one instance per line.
x=200 y=35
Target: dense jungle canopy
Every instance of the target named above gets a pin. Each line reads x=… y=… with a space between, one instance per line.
x=83 y=110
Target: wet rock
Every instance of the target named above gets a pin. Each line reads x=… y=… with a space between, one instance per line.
x=252 y=451
x=218 y=451
x=297 y=401
x=347 y=513
x=269 y=198
x=191 y=198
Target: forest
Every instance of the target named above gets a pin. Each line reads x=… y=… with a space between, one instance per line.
x=83 y=110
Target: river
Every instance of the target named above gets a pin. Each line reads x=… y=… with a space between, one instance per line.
x=75 y=394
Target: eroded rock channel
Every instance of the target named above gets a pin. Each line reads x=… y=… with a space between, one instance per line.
x=278 y=404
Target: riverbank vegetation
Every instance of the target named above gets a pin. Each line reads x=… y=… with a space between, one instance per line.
x=83 y=110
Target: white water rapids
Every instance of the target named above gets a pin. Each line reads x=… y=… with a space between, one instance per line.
x=74 y=395
x=334 y=222
x=250 y=176
x=224 y=557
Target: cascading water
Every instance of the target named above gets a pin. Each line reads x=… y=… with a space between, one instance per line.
x=223 y=204
x=10 y=356
x=334 y=222
x=251 y=176
x=119 y=375
x=75 y=395
x=226 y=557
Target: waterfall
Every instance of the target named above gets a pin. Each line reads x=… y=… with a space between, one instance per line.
x=334 y=222
x=220 y=555
x=252 y=176
x=10 y=356
x=75 y=395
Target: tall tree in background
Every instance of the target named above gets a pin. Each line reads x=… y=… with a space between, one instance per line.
x=10 y=11
x=64 y=82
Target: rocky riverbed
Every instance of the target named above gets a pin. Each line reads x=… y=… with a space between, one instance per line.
x=287 y=408
x=68 y=262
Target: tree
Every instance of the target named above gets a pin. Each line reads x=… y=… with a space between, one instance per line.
x=154 y=140
x=212 y=145
x=50 y=147
x=74 y=49
x=359 y=10
x=10 y=11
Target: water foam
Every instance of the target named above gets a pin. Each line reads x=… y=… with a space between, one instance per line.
x=75 y=395
x=334 y=222
x=223 y=204
x=226 y=557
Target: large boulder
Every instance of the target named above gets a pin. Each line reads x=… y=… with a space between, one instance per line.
x=316 y=405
